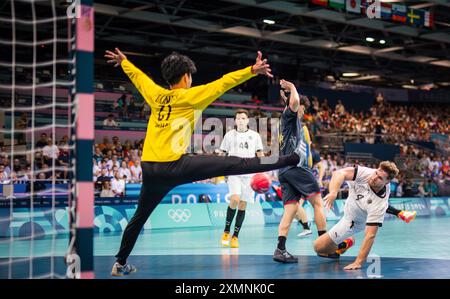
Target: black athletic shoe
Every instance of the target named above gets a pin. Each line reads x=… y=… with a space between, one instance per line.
x=333 y=255
x=282 y=256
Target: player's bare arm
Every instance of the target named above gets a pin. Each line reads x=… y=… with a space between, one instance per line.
x=337 y=179
x=371 y=232
x=294 y=99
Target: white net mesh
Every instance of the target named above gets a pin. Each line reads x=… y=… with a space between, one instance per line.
x=36 y=121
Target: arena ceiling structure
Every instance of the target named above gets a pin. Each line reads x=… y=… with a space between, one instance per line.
x=316 y=42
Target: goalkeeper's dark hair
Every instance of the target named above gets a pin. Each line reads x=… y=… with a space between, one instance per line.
x=174 y=66
x=305 y=101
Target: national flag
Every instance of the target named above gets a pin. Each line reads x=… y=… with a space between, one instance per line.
x=364 y=6
x=320 y=2
x=399 y=13
x=371 y=8
x=415 y=17
x=354 y=6
x=337 y=4
x=429 y=19
x=386 y=10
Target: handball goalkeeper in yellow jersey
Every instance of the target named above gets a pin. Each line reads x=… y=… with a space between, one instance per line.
x=165 y=163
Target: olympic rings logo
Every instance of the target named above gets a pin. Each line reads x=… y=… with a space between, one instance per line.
x=179 y=215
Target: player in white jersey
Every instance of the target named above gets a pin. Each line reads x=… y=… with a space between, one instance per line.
x=244 y=143
x=365 y=208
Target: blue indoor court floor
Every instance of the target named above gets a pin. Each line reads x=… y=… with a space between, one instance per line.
x=416 y=250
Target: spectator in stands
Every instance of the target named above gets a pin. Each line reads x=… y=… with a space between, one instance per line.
x=110 y=122
x=104 y=145
x=378 y=131
x=104 y=164
x=47 y=171
x=114 y=169
x=119 y=104
x=421 y=188
x=50 y=152
x=98 y=156
x=106 y=189
x=24 y=175
x=444 y=184
x=434 y=166
x=42 y=176
x=13 y=178
x=136 y=171
x=113 y=162
x=108 y=155
x=399 y=191
x=126 y=103
x=42 y=142
x=408 y=189
x=340 y=109
x=17 y=165
x=63 y=161
x=315 y=105
x=64 y=140
x=324 y=105
x=430 y=188
x=380 y=100
x=22 y=124
x=2 y=170
x=3 y=154
x=118 y=185
x=131 y=106
x=96 y=171
x=4 y=178
x=445 y=166
x=104 y=177
x=255 y=100
x=145 y=111
x=124 y=171
x=115 y=141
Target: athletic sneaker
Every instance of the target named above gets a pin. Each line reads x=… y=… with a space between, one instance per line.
x=407 y=216
x=305 y=233
x=234 y=242
x=119 y=270
x=345 y=245
x=225 y=241
x=300 y=150
x=282 y=256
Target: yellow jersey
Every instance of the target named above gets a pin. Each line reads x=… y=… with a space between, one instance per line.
x=308 y=143
x=175 y=112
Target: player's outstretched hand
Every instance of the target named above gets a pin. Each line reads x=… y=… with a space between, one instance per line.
x=115 y=57
x=328 y=200
x=261 y=67
x=353 y=266
x=286 y=85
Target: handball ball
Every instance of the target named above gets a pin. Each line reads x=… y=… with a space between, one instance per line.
x=260 y=183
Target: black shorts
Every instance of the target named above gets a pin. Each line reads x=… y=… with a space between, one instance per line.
x=296 y=183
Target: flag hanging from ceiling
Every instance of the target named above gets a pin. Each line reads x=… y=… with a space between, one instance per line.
x=385 y=10
x=415 y=17
x=353 y=6
x=429 y=19
x=320 y=2
x=371 y=9
x=337 y=3
x=399 y=13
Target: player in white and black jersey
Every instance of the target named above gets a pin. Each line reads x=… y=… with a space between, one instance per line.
x=365 y=208
x=244 y=143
